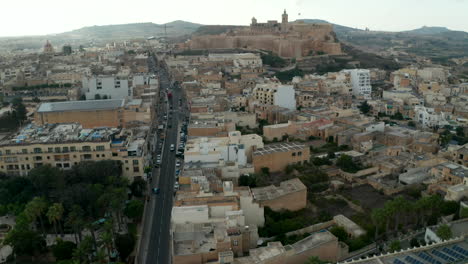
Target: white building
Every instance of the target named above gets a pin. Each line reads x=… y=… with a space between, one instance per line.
x=234 y=148
x=427 y=117
x=360 y=80
x=275 y=94
x=112 y=87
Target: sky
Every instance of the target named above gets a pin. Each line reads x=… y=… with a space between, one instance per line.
x=39 y=17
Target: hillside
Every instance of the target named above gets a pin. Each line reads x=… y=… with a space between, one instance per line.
x=336 y=27
x=135 y=30
x=428 y=30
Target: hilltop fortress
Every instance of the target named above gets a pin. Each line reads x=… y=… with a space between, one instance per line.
x=287 y=39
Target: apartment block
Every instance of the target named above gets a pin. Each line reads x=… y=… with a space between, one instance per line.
x=360 y=80
x=275 y=94
x=65 y=145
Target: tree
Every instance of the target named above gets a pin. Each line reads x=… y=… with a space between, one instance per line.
x=315 y=260
x=444 y=232
x=82 y=97
x=134 y=210
x=35 y=209
x=346 y=163
x=47 y=180
x=36 y=99
x=82 y=253
x=340 y=233
x=365 y=107
x=124 y=244
x=414 y=242
x=63 y=250
x=265 y=170
x=19 y=110
x=23 y=240
x=394 y=246
x=138 y=187
x=55 y=214
x=75 y=220
x=247 y=180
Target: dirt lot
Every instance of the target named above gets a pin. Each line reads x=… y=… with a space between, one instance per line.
x=366 y=196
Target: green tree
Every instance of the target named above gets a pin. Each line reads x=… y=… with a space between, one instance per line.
x=395 y=246
x=23 y=240
x=444 y=232
x=346 y=163
x=247 y=180
x=265 y=170
x=55 y=214
x=63 y=250
x=365 y=107
x=138 y=187
x=19 y=110
x=134 y=210
x=340 y=233
x=83 y=251
x=124 y=244
x=75 y=220
x=414 y=242
x=35 y=209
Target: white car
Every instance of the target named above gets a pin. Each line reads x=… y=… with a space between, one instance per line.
x=172 y=147
x=176 y=186
x=177 y=164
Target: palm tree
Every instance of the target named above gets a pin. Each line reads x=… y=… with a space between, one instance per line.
x=35 y=209
x=83 y=251
x=55 y=214
x=377 y=217
x=76 y=222
x=107 y=240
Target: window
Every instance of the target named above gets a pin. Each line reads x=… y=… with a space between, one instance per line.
x=100 y=148
x=50 y=150
x=294 y=154
x=37 y=158
x=65 y=149
x=58 y=165
x=24 y=151
x=103 y=155
x=126 y=161
x=86 y=148
x=57 y=149
x=97 y=155
x=28 y=167
x=8 y=152
x=72 y=149
x=37 y=150
x=136 y=169
x=87 y=156
x=299 y=153
x=114 y=154
x=66 y=165
x=126 y=168
x=236 y=243
x=135 y=162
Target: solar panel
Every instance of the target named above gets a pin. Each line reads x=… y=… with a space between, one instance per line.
x=453 y=253
x=397 y=261
x=442 y=256
x=461 y=250
x=428 y=258
x=412 y=260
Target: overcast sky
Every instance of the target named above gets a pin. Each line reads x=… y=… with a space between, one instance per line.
x=38 y=17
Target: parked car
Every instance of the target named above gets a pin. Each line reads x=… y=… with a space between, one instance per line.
x=156 y=190
x=172 y=147
x=177 y=164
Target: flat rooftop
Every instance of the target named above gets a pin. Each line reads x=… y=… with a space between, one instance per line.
x=82 y=105
x=272 y=192
x=57 y=133
x=279 y=147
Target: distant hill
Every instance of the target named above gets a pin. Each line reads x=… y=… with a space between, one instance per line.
x=336 y=27
x=428 y=30
x=134 y=30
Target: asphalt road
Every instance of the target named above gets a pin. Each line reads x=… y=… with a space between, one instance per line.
x=155 y=242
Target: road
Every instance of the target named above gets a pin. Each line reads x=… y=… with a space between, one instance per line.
x=155 y=236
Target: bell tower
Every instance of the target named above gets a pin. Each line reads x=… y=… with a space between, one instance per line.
x=284 y=21
x=284 y=17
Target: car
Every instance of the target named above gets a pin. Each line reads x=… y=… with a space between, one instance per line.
x=176 y=186
x=158 y=161
x=156 y=190
x=177 y=164
x=177 y=172
x=165 y=117
x=158 y=156
x=172 y=147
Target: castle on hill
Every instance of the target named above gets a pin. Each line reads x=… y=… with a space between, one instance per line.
x=287 y=39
